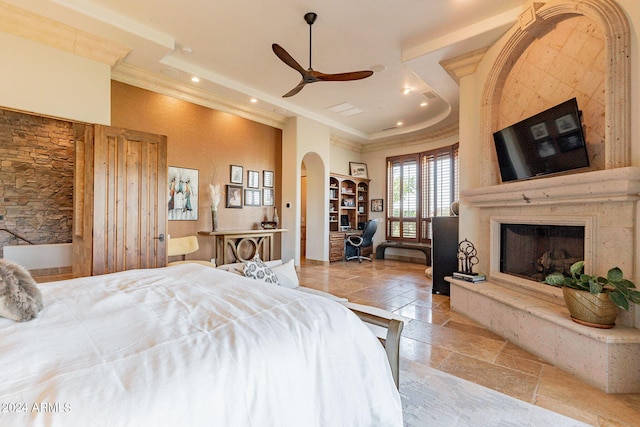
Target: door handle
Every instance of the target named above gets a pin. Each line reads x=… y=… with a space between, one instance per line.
x=160 y=237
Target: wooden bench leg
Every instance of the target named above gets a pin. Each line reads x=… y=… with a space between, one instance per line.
x=391 y=342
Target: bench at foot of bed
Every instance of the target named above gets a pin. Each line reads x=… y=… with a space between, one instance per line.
x=388 y=327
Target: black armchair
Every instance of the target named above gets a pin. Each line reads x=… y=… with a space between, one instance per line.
x=364 y=240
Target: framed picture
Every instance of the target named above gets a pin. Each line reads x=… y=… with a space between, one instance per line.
x=566 y=123
x=253 y=179
x=377 y=205
x=348 y=203
x=251 y=197
x=234 y=196
x=183 y=194
x=358 y=170
x=267 y=179
x=267 y=196
x=236 y=174
x=539 y=131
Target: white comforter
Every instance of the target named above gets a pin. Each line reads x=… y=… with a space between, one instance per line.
x=191 y=346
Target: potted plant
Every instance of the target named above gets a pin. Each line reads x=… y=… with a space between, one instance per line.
x=593 y=300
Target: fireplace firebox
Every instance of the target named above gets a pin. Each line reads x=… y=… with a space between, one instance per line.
x=533 y=251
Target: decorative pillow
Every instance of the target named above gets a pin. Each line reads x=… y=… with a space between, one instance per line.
x=20 y=298
x=257 y=269
x=287 y=275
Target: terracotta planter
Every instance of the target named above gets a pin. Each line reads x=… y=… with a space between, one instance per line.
x=591 y=310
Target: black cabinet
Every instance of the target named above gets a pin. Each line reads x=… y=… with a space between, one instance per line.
x=444 y=251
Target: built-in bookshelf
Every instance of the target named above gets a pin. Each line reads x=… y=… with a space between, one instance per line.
x=348 y=210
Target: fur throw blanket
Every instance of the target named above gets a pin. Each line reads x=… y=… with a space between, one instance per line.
x=20 y=298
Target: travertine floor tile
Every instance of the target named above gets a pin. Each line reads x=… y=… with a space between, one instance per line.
x=439 y=338
x=504 y=380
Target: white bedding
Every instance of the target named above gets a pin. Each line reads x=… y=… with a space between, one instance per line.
x=191 y=346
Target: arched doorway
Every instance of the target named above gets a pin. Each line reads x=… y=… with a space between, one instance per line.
x=314 y=205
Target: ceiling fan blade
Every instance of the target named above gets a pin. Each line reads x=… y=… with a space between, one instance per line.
x=295 y=89
x=287 y=59
x=341 y=77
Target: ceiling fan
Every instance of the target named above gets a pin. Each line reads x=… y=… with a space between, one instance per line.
x=310 y=75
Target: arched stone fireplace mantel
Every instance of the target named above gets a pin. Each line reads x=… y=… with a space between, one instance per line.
x=613 y=22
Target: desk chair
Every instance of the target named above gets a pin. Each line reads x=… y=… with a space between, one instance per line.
x=362 y=241
x=183 y=246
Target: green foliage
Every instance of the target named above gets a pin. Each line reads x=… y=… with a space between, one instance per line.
x=620 y=290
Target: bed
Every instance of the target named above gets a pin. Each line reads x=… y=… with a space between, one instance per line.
x=191 y=345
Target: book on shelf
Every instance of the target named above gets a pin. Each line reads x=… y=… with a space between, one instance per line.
x=469 y=277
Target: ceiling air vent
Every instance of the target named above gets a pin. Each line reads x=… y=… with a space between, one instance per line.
x=345 y=109
x=430 y=94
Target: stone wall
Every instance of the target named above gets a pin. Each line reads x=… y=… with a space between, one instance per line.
x=36 y=179
x=567 y=61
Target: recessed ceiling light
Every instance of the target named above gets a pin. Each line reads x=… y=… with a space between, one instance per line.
x=253 y=100
x=406 y=90
x=195 y=79
x=399 y=124
x=424 y=104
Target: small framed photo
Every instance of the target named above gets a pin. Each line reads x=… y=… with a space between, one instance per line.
x=539 y=131
x=377 y=205
x=234 y=196
x=267 y=196
x=566 y=123
x=253 y=179
x=267 y=179
x=251 y=197
x=236 y=174
x=358 y=170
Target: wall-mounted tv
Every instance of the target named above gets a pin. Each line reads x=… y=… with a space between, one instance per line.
x=549 y=142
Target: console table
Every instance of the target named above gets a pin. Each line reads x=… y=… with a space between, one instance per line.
x=258 y=242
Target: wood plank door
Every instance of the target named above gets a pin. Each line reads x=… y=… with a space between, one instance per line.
x=129 y=200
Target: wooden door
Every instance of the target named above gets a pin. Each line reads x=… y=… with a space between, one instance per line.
x=124 y=199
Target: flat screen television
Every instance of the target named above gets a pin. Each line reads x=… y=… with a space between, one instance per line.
x=549 y=142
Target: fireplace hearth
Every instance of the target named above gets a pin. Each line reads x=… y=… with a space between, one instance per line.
x=597 y=209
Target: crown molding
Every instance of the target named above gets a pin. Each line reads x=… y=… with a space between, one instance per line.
x=463 y=65
x=415 y=138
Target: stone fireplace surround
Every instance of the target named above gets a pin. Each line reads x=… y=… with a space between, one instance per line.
x=605 y=199
x=533 y=315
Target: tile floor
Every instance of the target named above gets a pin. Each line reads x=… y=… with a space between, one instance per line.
x=450 y=342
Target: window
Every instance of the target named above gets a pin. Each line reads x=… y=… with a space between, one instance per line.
x=402 y=197
x=419 y=187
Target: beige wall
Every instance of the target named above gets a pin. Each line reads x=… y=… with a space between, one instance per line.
x=341 y=155
x=209 y=141
x=47 y=81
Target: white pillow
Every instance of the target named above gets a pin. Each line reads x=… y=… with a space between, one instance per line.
x=257 y=269
x=287 y=275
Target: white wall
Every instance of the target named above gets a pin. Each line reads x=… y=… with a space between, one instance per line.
x=47 y=81
x=305 y=139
